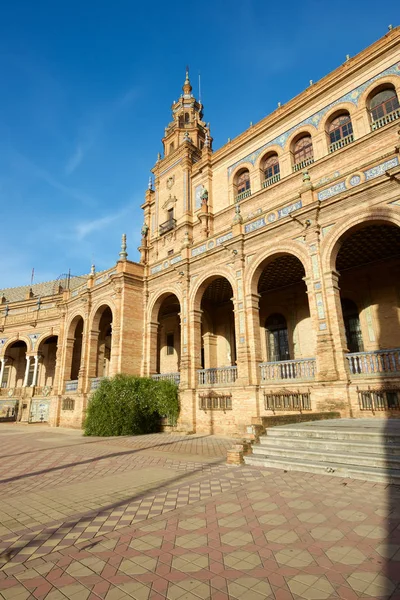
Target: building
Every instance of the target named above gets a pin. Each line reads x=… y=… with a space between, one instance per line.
x=269 y=277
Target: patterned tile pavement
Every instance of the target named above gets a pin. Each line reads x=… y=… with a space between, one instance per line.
x=163 y=517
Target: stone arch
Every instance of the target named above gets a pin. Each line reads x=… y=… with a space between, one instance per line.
x=246 y=165
x=255 y=270
x=17 y=338
x=296 y=135
x=200 y=287
x=388 y=79
x=72 y=321
x=335 y=111
x=274 y=149
x=333 y=240
x=155 y=304
x=95 y=314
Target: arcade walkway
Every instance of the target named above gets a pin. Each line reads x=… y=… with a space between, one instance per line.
x=161 y=516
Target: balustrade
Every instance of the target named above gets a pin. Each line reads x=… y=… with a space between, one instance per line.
x=243 y=195
x=304 y=163
x=374 y=362
x=303 y=368
x=271 y=180
x=393 y=116
x=173 y=377
x=95 y=382
x=218 y=375
x=341 y=143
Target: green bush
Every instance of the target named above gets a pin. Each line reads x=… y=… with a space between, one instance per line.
x=127 y=405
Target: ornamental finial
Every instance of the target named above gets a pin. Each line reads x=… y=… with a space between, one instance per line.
x=123 y=254
x=93 y=270
x=187 y=88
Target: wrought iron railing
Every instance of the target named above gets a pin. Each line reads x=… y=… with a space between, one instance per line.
x=167 y=226
x=393 y=116
x=71 y=386
x=303 y=163
x=243 y=195
x=174 y=377
x=95 y=382
x=271 y=180
x=218 y=375
x=345 y=141
x=379 y=399
x=374 y=362
x=213 y=401
x=287 y=400
x=302 y=368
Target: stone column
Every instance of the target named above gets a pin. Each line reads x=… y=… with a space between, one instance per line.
x=35 y=370
x=92 y=358
x=3 y=364
x=210 y=350
x=152 y=348
x=28 y=364
x=332 y=348
x=184 y=362
x=195 y=344
x=242 y=354
x=253 y=332
x=114 y=353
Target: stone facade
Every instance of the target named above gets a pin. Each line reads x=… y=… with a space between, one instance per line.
x=269 y=273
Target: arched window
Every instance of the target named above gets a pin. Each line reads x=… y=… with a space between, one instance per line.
x=171 y=147
x=243 y=185
x=277 y=338
x=384 y=107
x=271 y=170
x=352 y=326
x=303 y=153
x=187 y=117
x=340 y=132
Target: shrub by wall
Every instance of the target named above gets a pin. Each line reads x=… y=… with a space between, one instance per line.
x=127 y=405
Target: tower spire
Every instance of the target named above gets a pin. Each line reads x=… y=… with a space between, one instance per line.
x=187 y=88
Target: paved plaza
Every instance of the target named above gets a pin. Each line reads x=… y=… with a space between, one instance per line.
x=163 y=516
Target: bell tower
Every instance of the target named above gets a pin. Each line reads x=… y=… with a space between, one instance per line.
x=169 y=211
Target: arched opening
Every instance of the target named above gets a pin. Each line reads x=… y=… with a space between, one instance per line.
x=218 y=340
x=242 y=185
x=19 y=374
x=169 y=339
x=368 y=261
x=187 y=117
x=270 y=168
x=383 y=106
x=340 y=131
x=302 y=152
x=76 y=349
x=48 y=357
x=286 y=333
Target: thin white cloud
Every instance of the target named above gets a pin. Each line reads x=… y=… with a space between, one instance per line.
x=75 y=160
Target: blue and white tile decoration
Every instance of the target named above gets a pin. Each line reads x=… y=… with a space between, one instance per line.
x=315 y=119
x=223 y=238
x=283 y=212
x=380 y=169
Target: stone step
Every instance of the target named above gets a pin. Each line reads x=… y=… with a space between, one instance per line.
x=274 y=451
x=348 y=445
x=334 y=434
x=335 y=469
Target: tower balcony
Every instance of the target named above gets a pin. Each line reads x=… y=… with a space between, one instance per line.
x=167 y=226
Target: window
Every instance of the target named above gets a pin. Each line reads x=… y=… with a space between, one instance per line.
x=171 y=147
x=187 y=117
x=170 y=252
x=303 y=150
x=277 y=338
x=271 y=166
x=340 y=128
x=243 y=182
x=352 y=326
x=68 y=404
x=170 y=214
x=6 y=374
x=383 y=103
x=170 y=343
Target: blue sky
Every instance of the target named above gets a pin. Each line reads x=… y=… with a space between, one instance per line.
x=86 y=89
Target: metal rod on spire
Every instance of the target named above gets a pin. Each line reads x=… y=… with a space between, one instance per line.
x=199 y=89
x=32 y=276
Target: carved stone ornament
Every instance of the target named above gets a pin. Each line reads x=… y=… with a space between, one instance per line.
x=170 y=181
x=171 y=200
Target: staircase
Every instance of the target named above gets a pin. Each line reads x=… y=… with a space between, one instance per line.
x=366 y=449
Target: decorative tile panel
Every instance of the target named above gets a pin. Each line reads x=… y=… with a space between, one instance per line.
x=223 y=238
x=326 y=229
x=380 y=169
x=254 y=225
x=199 y=250
x=176 y=259
x=156 y=269
x=320 y=305
x=34 y=338
x=2 y=342
x=283 y=212
x=314 y=119
x=332 y=191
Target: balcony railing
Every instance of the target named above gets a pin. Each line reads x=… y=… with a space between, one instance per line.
x=71 y=386
x=302 y=164
x=393 y=116
x=341 y=143
x=243 y=195
x=95 y=382
x=271 y=180
x=220 y=375
x=375 y=362
x=379 y=399
x=303 y=368
x=167 y=226
x=174 y=377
